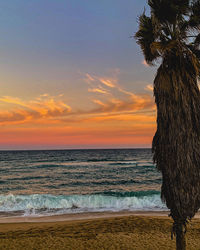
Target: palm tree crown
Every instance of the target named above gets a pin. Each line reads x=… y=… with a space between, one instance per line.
x=172 y=28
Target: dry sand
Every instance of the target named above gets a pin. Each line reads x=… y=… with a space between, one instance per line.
x=94 y=231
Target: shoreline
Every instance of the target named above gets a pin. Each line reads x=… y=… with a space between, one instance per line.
x=83 y=216
x=79 y=216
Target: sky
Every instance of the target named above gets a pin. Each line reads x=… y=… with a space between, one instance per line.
x=71 y=76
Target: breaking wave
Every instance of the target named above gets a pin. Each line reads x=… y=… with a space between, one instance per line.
x=46 y=204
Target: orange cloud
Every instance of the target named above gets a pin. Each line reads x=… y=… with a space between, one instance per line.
x=112 y=106
x=105 y=81
x=98 y=90
x=108 y=82
x=149 y=87
x=119 y=99
x=43 y=107
x=12 y=100
x=132 y=104
x=89 y=78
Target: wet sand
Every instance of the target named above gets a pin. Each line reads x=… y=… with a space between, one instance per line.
x=78 y=216
x=124 y=230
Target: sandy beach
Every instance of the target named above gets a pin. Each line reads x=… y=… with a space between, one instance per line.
x=124 y=230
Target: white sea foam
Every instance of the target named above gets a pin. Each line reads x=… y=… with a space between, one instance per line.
x=37 y=204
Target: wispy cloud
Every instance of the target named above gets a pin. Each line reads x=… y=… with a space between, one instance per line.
x=98 y=90
x=149 y=87
x=119 y=99
x=108 y=82
x=89 y=78
x=104 y=81
x=136 y=103
x=42 y=107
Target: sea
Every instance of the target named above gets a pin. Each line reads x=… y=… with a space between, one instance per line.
x=52 y=182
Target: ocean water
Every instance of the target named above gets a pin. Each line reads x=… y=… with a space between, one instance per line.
x=35 y=183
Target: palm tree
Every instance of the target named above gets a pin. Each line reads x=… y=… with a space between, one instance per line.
x=170 y=36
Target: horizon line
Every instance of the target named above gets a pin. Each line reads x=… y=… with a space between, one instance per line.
x=65 y=149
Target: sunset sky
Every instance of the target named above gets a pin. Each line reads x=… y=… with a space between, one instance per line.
x=71 y=76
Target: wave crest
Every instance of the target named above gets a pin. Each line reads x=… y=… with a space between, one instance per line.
x=46 y=204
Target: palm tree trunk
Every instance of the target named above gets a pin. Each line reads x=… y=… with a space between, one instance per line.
x=180 y=237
